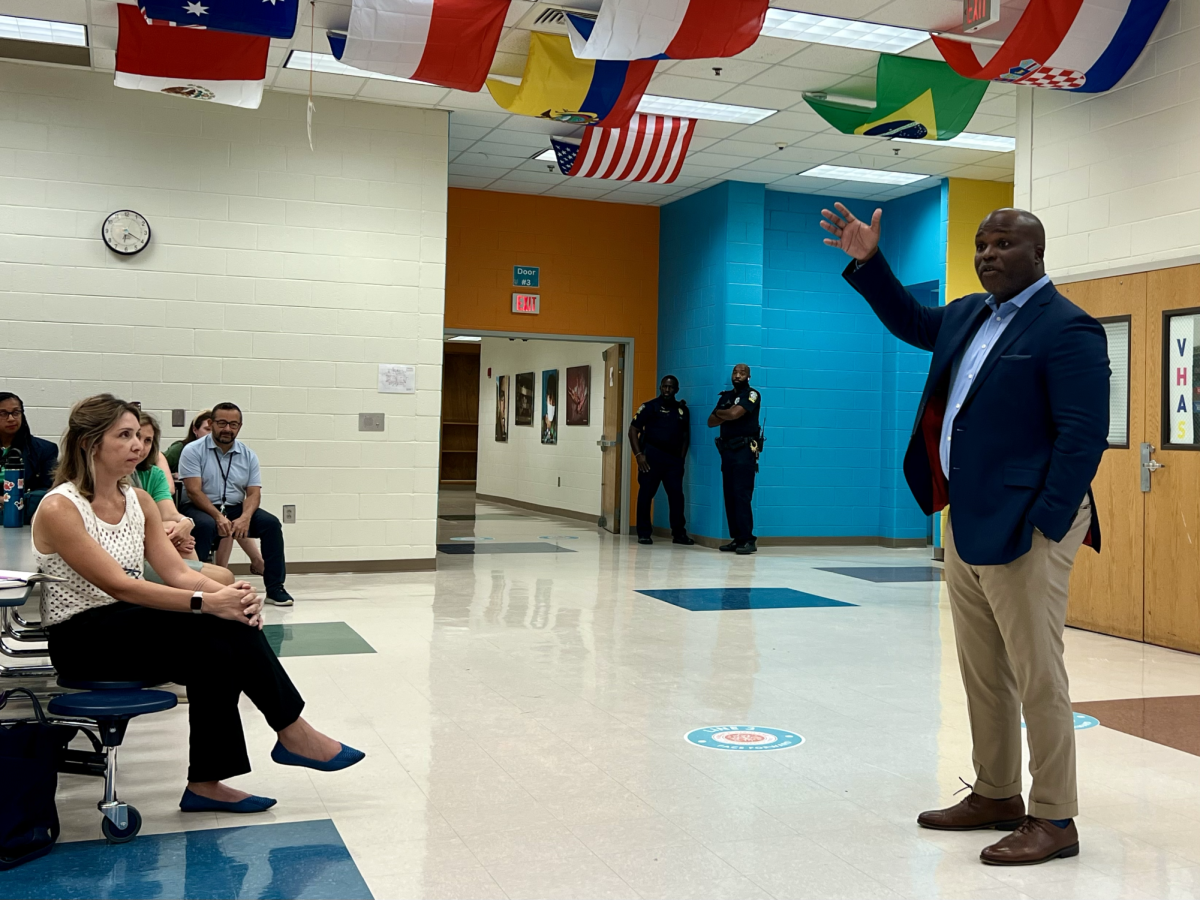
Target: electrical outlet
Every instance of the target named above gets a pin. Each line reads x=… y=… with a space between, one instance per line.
x=289 y=514
x=370 y=421
x=177 y=418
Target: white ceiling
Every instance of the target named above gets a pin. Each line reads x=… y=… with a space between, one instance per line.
x=491 y=149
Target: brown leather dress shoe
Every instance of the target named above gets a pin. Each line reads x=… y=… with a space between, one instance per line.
x=976 y=812
x=1035 y=841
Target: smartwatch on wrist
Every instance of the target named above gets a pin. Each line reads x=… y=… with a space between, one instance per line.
x=198 y=602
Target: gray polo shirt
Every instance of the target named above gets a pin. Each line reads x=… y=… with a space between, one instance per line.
x=223 y=476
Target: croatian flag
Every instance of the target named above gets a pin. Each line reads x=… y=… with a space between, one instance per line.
x=649 y=148
x=446 y=42
x=268 y=18
x=667 y=29
x=1069 y=45
x=189 y=62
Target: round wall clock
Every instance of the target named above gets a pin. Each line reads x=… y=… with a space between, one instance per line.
x=126 y=232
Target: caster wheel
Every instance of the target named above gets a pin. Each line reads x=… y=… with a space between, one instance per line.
x=115 y=835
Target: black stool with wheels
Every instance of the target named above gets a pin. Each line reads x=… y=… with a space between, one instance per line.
x=110 y=705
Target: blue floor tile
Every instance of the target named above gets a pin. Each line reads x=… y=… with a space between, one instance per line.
x=506 y=547
x=302 y=860
x=709 y=599
x=889 y=574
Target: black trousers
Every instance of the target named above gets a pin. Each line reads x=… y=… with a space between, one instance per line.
x=738 y=468
x=263 y=526
x=665 y=469
x=217 y=659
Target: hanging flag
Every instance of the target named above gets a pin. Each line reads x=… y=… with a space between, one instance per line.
x=445 y=42
x=679 y=29
x=914 y=98
x=269 y=18
x=559 y=87
x=189 y=62
x=1078 y=45
x=649 y=148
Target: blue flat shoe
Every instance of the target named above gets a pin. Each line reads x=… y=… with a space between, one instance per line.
x=191 y=802
x=346 y=757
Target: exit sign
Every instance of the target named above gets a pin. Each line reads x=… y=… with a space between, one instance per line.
x=979 y=14
x=526 y=276
x=526 y=303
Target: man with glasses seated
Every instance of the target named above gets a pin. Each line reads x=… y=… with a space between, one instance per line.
x=224 y=491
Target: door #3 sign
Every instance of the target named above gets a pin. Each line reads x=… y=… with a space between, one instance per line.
x=526 y=276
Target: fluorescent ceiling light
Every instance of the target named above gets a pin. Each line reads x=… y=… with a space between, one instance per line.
x=799 y=26
x=699 y=109
x=547 y=156
x=997 y=143
x=331 y=65
x=875 y=176
x=466 y=338
x=43 y=31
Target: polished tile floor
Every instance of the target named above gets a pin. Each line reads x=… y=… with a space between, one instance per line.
x=526 y=715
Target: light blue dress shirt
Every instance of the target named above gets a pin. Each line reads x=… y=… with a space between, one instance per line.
x=224 y=477
x=967 y=366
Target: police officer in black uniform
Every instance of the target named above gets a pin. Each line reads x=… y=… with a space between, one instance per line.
x=737 y=414
x=659 y=435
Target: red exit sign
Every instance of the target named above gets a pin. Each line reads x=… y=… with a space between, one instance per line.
x=979 y=14
x=526 y=303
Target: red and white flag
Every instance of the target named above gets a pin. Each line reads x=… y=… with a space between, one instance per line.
x=649 y=148
x=198 y=63
x=446 y=42
x=667 y=29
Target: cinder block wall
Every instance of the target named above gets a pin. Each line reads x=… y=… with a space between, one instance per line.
x=277 y=278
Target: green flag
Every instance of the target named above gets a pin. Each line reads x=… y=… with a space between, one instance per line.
x=914 y=98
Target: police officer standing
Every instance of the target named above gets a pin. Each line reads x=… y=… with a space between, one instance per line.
x=737 y=414
x=659 y=435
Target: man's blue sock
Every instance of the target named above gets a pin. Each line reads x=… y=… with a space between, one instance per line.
x=1061 y=823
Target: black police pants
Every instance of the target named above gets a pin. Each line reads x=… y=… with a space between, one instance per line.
x=737 y=475
x=218 y=660
x=665 y=469
x=263 y=526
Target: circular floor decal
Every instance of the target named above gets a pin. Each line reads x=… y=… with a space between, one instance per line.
x=1081 y=721
x=743 y=737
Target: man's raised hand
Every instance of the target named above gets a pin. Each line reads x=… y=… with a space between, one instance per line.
x=854 y=236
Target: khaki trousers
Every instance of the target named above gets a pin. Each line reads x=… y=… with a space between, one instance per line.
x=1008 y=624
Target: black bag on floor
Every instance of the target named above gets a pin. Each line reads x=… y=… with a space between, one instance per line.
x=29 y=753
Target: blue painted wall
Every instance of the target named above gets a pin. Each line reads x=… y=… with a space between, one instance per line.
x=744 y=277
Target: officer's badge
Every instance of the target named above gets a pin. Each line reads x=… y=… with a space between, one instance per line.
x=753 y=396
x=681 y=410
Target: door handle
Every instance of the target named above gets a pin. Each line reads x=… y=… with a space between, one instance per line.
x=606 y=444
x=1149 y=466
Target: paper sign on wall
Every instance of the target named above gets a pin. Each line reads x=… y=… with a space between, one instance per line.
x=397 y=379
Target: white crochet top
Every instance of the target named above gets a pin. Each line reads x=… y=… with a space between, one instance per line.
x=125 y=542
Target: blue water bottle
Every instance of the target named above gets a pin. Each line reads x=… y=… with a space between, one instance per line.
x=14 y=489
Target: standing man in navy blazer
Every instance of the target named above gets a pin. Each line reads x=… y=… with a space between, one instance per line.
x=1009 y=433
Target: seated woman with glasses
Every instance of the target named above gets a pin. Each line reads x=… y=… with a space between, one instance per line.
x=106 y=623
x=36 y=457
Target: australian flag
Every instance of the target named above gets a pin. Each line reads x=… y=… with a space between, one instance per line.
x=268 y=18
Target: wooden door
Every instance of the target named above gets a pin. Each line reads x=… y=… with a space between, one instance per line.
x=1107 y=589
x=1172 y=574
x=612 y=442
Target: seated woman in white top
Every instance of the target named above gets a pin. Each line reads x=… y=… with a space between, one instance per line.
x=106 y=623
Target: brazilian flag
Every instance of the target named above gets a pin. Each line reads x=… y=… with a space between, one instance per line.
x=914 y=98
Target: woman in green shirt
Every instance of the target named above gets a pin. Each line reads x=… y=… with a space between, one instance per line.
x=153 y=477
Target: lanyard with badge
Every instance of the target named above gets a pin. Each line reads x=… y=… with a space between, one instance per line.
x=224 y=476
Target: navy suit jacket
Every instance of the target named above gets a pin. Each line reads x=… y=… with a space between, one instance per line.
x=1031 y=431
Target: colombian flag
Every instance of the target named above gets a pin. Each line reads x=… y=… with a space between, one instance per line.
x=559 y=87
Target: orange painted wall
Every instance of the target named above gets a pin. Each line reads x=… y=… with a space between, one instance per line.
x=599 y=271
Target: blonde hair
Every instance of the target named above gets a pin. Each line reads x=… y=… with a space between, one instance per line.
x=151 y=460
x=89 y=421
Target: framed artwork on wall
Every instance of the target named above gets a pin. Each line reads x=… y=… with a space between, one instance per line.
x=579 y=395
x=502 y=408
x=523 y=413
x=550 y=406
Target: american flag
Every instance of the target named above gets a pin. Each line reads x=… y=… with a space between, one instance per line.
x=649 y=148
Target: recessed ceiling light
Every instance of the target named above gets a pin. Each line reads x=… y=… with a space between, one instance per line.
x=699 y=109
x=43 y=31
x=466 y=338
x=874 y=176
x=331 y=65
x=997 y=143
x=547 y=156
x=799 y=26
